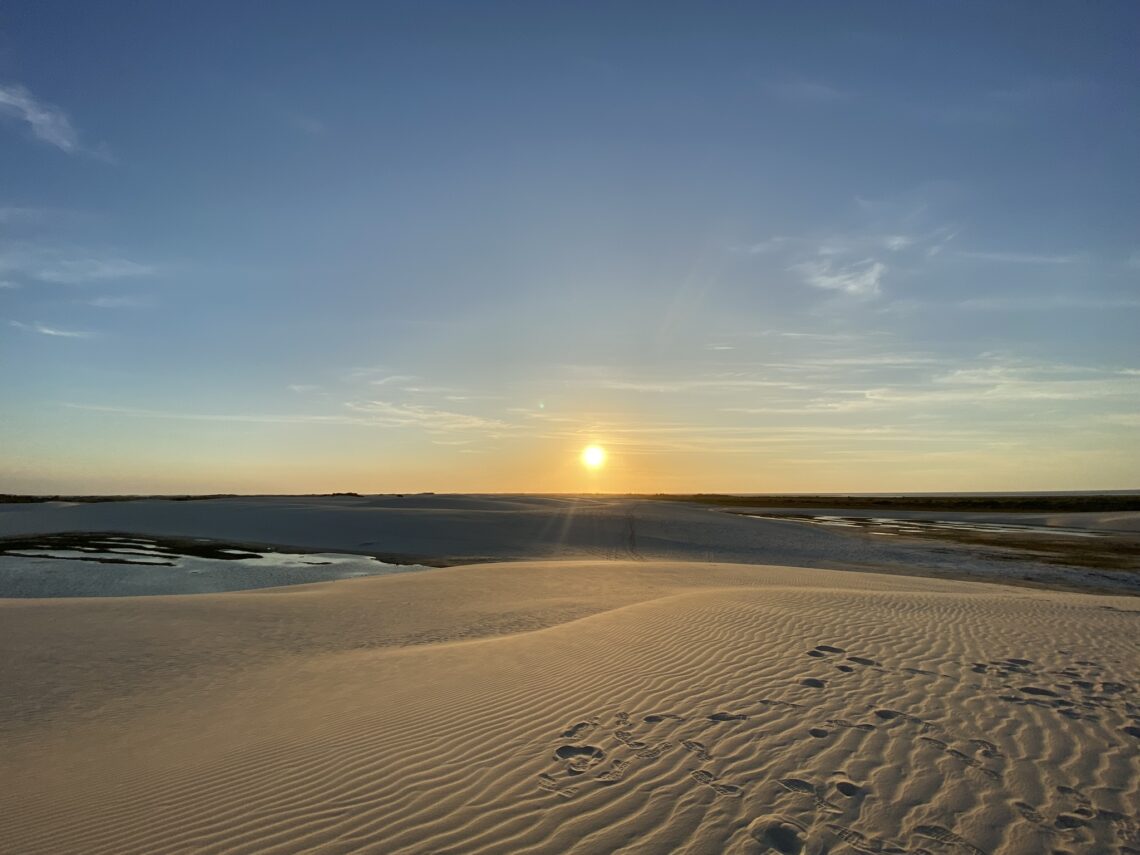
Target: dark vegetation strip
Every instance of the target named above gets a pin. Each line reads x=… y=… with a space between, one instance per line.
x=1029 y=504
x=22 y=499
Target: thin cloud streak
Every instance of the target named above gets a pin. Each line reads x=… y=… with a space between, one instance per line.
x=58 y=266
x=430 y=419
x=861 y=279
x=219 y=417
x=42 y=329
x=47 y=122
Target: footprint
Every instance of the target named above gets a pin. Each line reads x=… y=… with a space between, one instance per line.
x=862 y=843
x=769 y=702
x=862 y=660
x=813 y=683
x=1133 y=730
x=1075 y=794
x=698 y=748
x=797 y=785
x=987 y=748
x=972 y=763
x=622 y=719
x=615 y=773
x=626 y=737
x=724 y=716
x=842 y=722
x=819 y=732
x=848 y=789
x=944 y=835
x=1030 y=813
x=893 y=714
x=580 y=757
x=656 y=717
x=817 y=654
x=1069 y=821
x=580 y=730
x=827 y=648
x=958 y=755
x=552 y=785
x=846 y=669
x=1034 y=690
x=707 y=778
x=654 y=752
x=784 y=835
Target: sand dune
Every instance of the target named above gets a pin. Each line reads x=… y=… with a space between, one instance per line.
x=575 y=707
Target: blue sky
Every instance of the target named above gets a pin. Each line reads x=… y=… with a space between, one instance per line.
x=443 y=246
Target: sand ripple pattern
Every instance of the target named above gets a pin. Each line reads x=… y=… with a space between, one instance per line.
x=781 y=715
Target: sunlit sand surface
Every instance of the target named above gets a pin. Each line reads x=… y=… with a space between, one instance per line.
x=591 y=706
x=642 y=694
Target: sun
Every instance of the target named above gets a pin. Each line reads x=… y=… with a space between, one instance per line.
x=593 y=457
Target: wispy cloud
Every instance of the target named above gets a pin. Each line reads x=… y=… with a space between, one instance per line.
x=1019 y=257
x=254 y=418
x=389 y=414
x=47 y=122
x=861 y=279
x=43 y=329
x=78 y=270
x=892 y=236
x=705 y=384
x=994 y=384
x=393 y=380
x=302 y=388
x=61 y=266
x=379 y=414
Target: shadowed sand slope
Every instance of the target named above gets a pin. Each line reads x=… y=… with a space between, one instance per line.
x=575 y=707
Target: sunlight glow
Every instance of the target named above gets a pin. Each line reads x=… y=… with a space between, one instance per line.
x=593 y=457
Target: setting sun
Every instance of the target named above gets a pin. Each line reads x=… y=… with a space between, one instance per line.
x=593 y=457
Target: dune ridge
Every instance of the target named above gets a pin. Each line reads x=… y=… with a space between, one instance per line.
x=596 y=707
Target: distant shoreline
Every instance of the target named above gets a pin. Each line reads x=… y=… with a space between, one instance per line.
x=1001 y=502
x=1031 y=502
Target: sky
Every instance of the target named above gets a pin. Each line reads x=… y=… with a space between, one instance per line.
x=443 y=246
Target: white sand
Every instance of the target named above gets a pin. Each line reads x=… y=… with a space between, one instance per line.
x=425 y=713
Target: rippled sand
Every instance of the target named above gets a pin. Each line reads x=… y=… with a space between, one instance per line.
x=556 y=707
